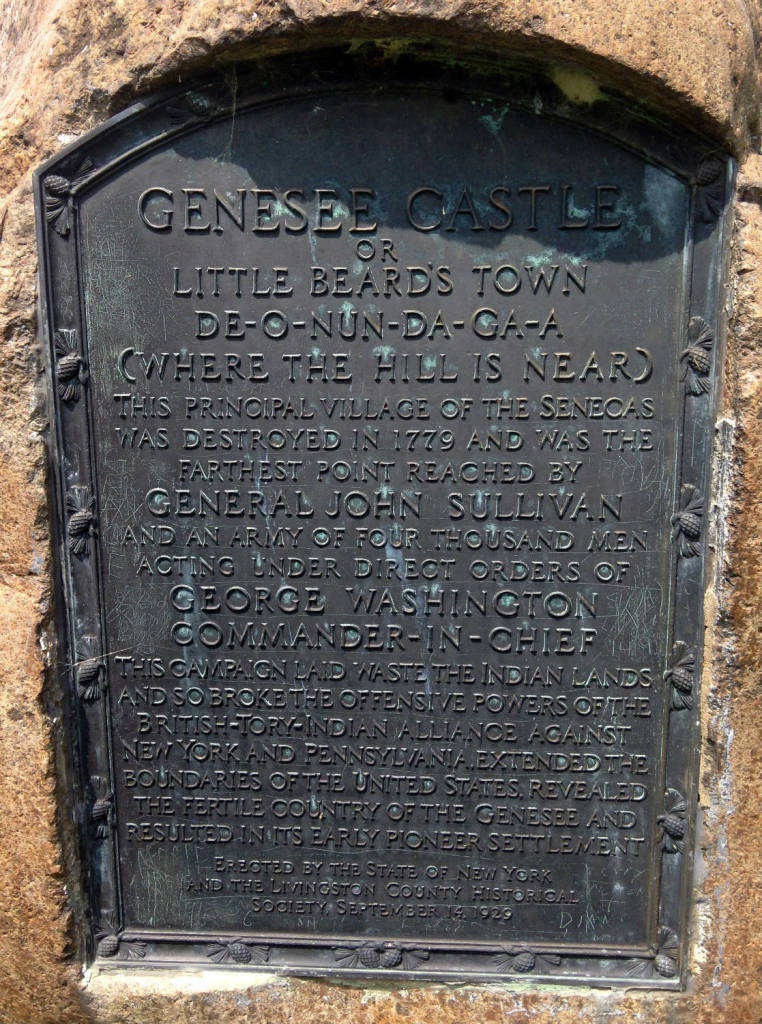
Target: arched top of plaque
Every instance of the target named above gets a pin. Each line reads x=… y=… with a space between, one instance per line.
x=498 y=91
x=382 y=403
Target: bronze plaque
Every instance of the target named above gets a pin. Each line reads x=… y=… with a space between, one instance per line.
x=383 y=411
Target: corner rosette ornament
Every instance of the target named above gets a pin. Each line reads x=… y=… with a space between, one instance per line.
x=81 y=506
x=523 y=960
x=672 y=822
x=381 y=954
x=58 y=191
x=710 y=192
x=696 y=358
x=663 y=960
x=238 y=952
x=71 y=367
x=686 y=524
x=90 y=671
x=680 y=676
x=102 y=807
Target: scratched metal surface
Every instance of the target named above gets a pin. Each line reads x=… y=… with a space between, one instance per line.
x=382 y=433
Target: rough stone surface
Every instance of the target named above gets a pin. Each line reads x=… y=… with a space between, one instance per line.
x=64 y=67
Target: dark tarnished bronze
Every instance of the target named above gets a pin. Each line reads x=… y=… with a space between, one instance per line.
x=383 y=409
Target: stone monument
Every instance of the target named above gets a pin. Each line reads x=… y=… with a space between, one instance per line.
x=393 y=600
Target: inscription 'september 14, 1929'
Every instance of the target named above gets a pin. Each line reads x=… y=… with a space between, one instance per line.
x=382 y=426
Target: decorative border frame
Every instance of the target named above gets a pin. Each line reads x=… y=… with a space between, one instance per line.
x=59 y=185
